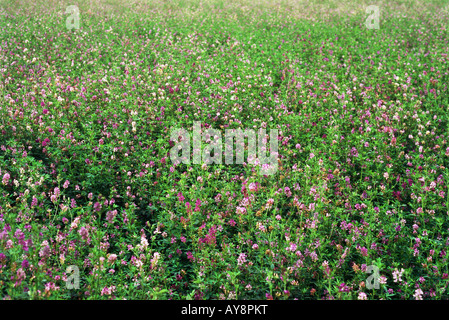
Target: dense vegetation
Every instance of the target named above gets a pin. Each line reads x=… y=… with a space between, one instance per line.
x=87 y=180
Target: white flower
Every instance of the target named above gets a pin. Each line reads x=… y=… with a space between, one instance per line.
x=418 y=294
x=362 y=296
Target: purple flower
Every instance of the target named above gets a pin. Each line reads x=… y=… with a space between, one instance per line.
x=97 y=206
x=25 y=264
x=84 y=233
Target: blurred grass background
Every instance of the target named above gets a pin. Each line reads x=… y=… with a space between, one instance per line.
x=306 y=9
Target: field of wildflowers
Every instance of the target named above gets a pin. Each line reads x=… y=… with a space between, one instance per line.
x=93 y=207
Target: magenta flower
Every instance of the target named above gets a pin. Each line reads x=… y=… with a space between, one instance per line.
x=25 y=264
x=97 y=206
x=45 y=142
x=197 y=205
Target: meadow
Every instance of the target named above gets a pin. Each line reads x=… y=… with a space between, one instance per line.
x=358 y=206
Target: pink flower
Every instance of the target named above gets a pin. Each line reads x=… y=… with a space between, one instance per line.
x=111 y=215
x=269 y=203
x=21 y=275
x=397 y=275
x=240 y=210
x=108 y=290
x=393 y=141
x=6 y=178
x=252 y=187
x=197 y=205
x=84 y=233
x=112 y=258
x=241 y=259
x=97 y=206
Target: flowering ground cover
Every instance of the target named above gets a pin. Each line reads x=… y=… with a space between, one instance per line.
x=357 y=208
